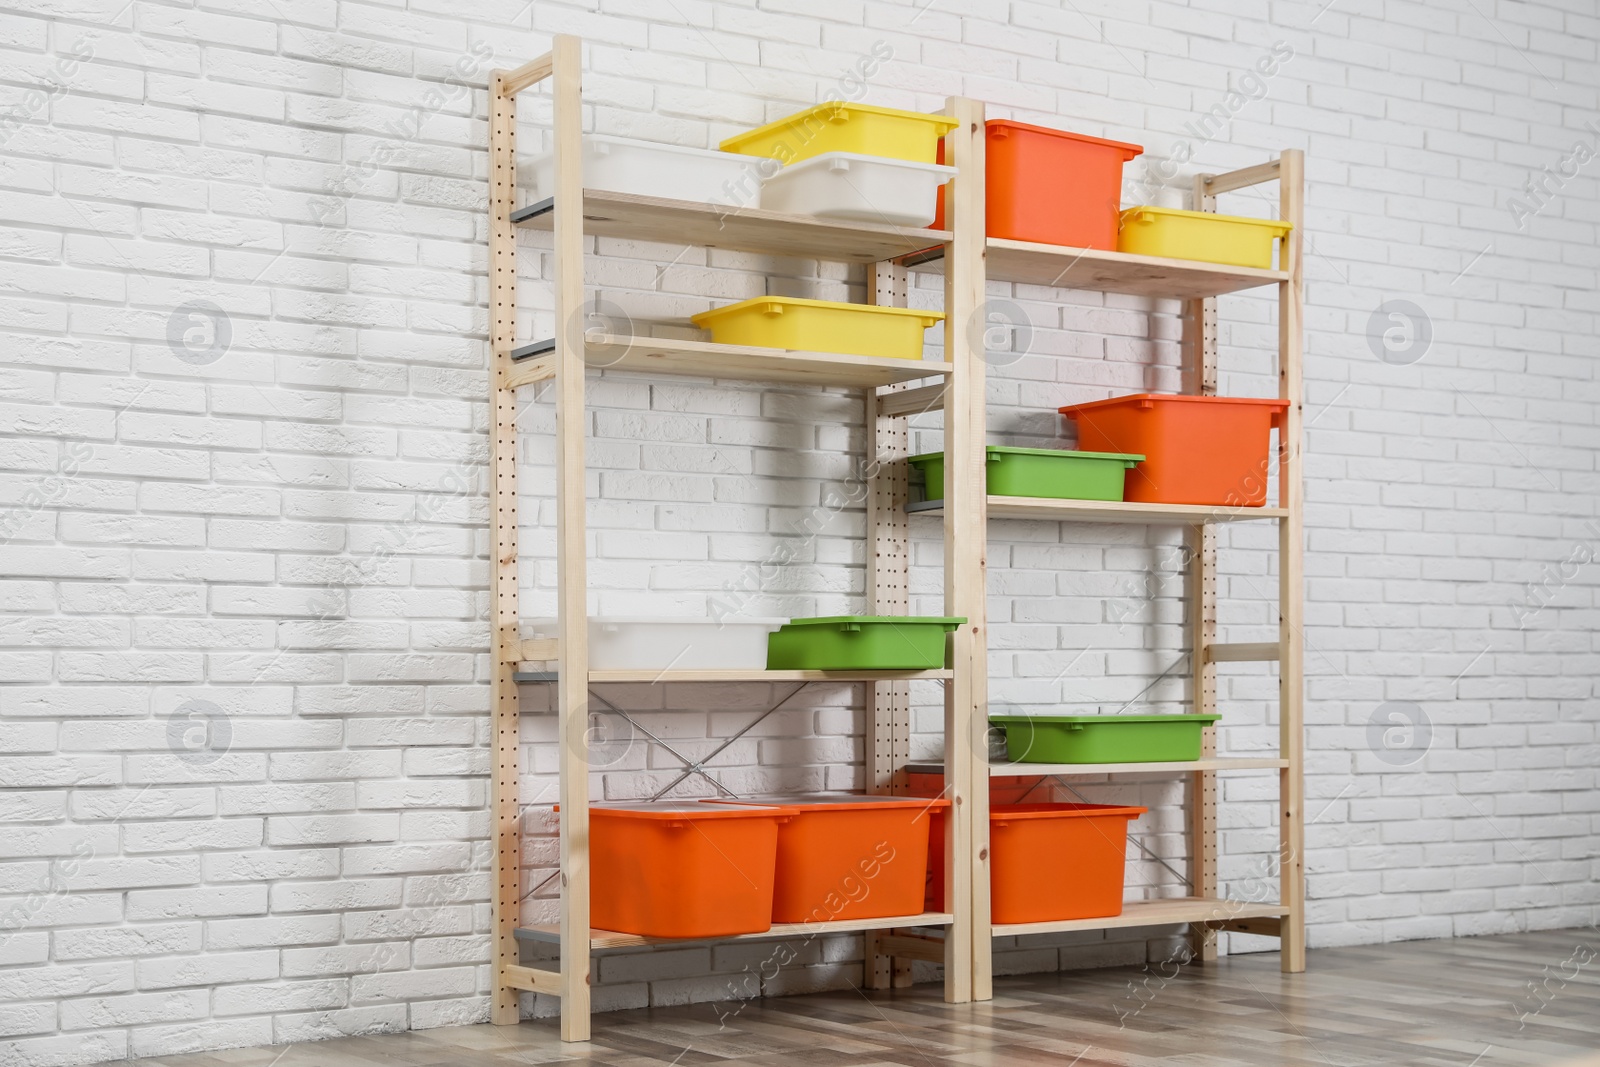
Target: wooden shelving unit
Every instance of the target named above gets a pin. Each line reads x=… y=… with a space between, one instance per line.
x=571 y=213
x=1198 y=285
x=896 y=389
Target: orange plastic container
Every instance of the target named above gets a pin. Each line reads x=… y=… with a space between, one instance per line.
x=848 y=856
x=1197 y=449
x=682 y=869
x=1050 y=186
x=1049 y=862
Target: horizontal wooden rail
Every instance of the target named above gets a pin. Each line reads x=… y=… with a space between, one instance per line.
x=537 y=650
x=531 y=979
x=1240 y=179
x=908 y=947
x=1265 y=926
x=912 y=401
x=532 y=370
x=1243 y=652
x=513 y=82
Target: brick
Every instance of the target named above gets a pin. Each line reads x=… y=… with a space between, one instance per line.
x=331 y=829
x=271 y=931
x=214 y=968
x=64 y=1049
x=142 y=940
x=135 y=1009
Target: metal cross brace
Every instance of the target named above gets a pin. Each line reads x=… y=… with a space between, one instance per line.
x=693 y=766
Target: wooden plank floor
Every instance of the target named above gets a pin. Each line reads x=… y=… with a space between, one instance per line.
x=1415 y=1004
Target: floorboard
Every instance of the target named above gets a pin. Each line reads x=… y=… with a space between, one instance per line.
x=1416 y=1004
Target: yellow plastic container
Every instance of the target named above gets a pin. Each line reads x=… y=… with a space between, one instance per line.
x=840 y=127
x=1204 y=235
x=820 y=326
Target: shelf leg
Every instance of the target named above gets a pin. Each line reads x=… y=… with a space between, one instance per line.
x=572 y=688
x=969 y=944
x=1291 y=577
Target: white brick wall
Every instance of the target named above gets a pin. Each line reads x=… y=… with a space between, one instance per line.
x=243 y=731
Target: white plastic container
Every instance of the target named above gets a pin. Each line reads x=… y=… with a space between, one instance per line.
x=847 y=185
x=657 y=644
x=644 y=168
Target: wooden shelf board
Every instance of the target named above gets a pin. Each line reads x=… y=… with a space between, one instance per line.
x=1111 y=511
x=610 y=939
x=745 y=229
x=1039 y=770
x=1154 y=913
x=703 y=359
x=1093 y=270
x=663 y=677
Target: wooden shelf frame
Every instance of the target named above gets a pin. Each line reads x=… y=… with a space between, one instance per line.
x=957 y=383
x=967 y=260
x=1198 y=285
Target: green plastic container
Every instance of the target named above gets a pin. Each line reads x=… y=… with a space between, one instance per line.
x=1103 y=738
x=1041 y=472
x=860 y=643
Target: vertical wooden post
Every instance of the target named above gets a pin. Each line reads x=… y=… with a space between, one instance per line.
x=572 y=690
x=888 y=593
x=1291 y=535
x=503 y=547
x=968 y=945
x=1200 y=379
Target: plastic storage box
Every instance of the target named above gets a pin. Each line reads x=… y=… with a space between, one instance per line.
x=643 y=168
x=1204 y=235
x=1051 y=186
x=657 y=644
x=1039 y=472
x=1197 y=449
x=848 y=185
x=1049 y=862
x=840 y=127
x=682 y=869
x=848 y=856
x=1103 y=738
x=820 y=326
x=861 y=643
